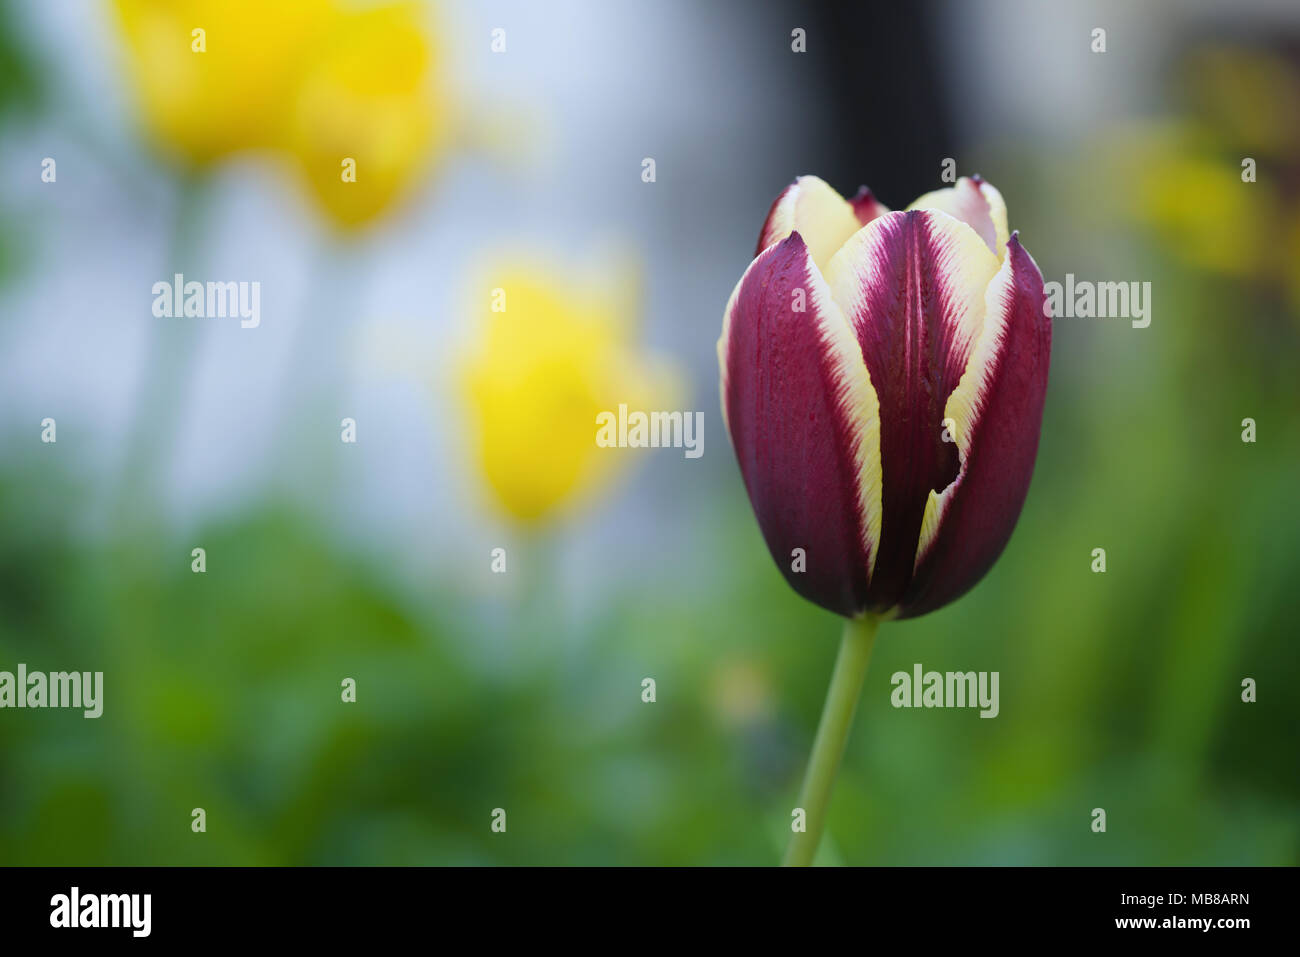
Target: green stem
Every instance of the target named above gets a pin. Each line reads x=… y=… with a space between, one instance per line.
x=832 y=734
x=311 y=389
x=173 y=344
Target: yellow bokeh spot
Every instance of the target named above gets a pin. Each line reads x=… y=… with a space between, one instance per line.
x=202 y=106
x=538 y=376
x=1202 y=207
x=366 y=97
x=319 y=81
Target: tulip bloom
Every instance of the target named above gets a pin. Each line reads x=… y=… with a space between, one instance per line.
x=550 y=356
x=883 y=376
x=323 y=82
x=204 y=106
x=367 y=95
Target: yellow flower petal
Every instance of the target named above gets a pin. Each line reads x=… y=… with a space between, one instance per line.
x=540 y=373
x=366 y=98
x=201 y=106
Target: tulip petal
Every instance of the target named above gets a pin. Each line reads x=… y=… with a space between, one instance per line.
x=805 y=424
x=866 y=207
x=977 y=204
x=823 y=217
x=998 y=210
x=998 y=410
x=912 y=286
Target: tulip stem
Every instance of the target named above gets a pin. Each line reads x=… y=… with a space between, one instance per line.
x=832 y=735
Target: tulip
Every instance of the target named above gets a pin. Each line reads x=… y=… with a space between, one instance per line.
x=373 y=93
x=201 y=106
x=552 y=354
x=322 y=82
x=883 y=376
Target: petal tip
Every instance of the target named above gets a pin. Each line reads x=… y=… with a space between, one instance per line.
x=866 y=207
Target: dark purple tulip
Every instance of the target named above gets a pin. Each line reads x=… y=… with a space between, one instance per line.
x=883 y=376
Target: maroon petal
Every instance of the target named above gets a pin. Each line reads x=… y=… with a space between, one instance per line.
x=998 y=411
x=912 y=285
x=803 y=420
x=866 y=207
x=976 y=203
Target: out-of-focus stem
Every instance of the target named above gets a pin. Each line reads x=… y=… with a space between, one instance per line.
x=159 y=404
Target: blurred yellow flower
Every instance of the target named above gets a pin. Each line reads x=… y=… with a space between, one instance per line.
x=365 y=99
x=346 y=90
x=202 y=106
x=1197 y=204
x=551 y=356
x=1219 y=183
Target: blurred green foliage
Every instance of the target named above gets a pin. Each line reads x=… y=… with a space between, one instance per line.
x=1118 y=691
x=21 y=90
x=20 y=80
